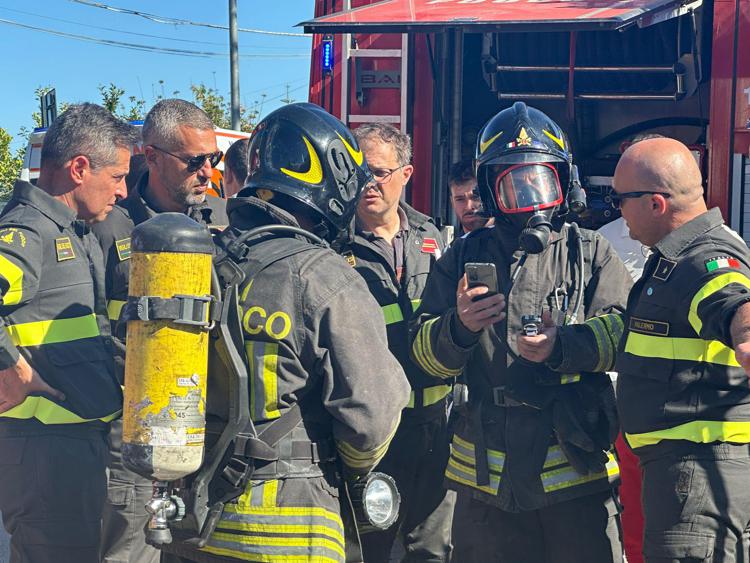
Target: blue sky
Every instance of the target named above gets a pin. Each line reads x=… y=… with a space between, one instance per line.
x=76 y=67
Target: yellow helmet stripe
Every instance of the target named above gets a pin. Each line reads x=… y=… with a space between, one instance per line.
x=558 y=141
x=314 y=175
x=356 y=155
x=483 y=145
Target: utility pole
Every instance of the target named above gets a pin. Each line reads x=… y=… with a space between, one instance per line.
x=234 y=64
x=286 y=99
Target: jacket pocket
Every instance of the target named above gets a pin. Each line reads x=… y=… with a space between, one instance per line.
x=673 y=545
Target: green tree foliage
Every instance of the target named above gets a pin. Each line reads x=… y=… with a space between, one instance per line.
x=10 y=164
x=219 y=110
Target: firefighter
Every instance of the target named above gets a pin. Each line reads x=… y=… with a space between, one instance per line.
x=179 y=144
x=315 y=341
x=682 y=354
x=394 y=248
x=465 y=200
x=58 y=389
x=538 y=476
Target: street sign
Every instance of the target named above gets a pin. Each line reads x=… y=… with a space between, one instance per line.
x=49 y=107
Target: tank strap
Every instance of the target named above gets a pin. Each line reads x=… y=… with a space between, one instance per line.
x=192 y=310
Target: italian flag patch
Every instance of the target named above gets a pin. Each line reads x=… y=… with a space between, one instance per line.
x=722 y=262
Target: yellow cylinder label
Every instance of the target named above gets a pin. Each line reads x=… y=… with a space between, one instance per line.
x=166 y=363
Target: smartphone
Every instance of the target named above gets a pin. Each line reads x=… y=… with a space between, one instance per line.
x=482 y=273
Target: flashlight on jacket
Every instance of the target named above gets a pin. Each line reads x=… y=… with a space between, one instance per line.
x=576 y=195
x=376 y=502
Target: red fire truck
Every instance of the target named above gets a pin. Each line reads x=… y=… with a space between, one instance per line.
x=605 y=70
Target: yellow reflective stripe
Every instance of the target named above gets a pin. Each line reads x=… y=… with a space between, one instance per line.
x=38 y=333
x=270 y=382
x=114 y=309
x=699 y=431
x=570 y=378
x=555 y=456
x=425 y=357
x=691 y=349
x=14 y=276
x=460 y=473
x=48 y=412
x=430 y=395
x=717 y=283
x=261 y=540
x=270 y=490
x=358 y=459
x=392 y=313
x=415 y=303
x=495 y=458
x=566 y=477
x=607 y=331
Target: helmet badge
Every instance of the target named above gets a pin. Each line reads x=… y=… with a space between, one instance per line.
x=314 y=174
x=523 y=139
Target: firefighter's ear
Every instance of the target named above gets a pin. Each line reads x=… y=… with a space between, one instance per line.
x=150 y=153
x=78 y=167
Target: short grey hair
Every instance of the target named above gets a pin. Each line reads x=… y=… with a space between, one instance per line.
x=86 y=130
x=164 y=119
x=386 y=133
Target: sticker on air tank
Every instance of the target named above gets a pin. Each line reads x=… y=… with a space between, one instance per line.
x=179 y=422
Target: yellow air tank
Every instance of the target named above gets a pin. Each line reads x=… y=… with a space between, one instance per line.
x=167 y=347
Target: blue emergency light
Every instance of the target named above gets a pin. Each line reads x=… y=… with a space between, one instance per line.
x=327 y=59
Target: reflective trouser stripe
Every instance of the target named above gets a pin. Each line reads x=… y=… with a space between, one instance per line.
x=48 y=412
x=255 y=529
x=691 y=349
x=392 y=313
x=714 y=285
x=430 y=395
x=14 y=276
x=364 y=460
x=698 y=431
x=424 y=355
x=566 y=477
x=55 y=331
x=555 y=456
x=114 y=309
x=262 y=359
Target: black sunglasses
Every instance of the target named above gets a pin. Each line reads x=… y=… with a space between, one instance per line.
x=194 y=163
x=617 y=198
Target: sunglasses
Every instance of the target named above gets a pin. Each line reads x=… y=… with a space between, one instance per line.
x=618 y=198
x=194 y=163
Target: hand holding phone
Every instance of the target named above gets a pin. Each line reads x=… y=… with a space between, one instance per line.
x=482 y=273
x=478 y=310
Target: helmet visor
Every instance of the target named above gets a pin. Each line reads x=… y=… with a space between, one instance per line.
x=528 y=187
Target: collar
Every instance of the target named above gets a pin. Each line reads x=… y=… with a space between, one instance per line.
x=39 y=199
x=672 y=245
x=248 y=212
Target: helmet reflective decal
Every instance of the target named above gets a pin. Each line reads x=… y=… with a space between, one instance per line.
x=356 y=155
x=314 y=175
x=528 y=187
x=484 y=144
x=551 y=136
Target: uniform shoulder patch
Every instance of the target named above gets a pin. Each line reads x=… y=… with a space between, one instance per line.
x=64 y=249
x=664 y=269
x=123 y=248
x=12 y=236
x=718 y=262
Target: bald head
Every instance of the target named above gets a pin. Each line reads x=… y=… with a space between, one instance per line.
x=661 y=164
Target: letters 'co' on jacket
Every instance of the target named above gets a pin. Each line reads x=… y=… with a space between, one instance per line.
x=527 y=468
x=312 y=335
x=53 y=310
x=679 y=381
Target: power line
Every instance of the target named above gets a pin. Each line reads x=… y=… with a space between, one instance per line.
x=176 y=21
x=90 y=26
x=148 y=48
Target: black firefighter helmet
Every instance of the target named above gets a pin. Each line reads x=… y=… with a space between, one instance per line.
x=524 y=170
x=307 y=155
